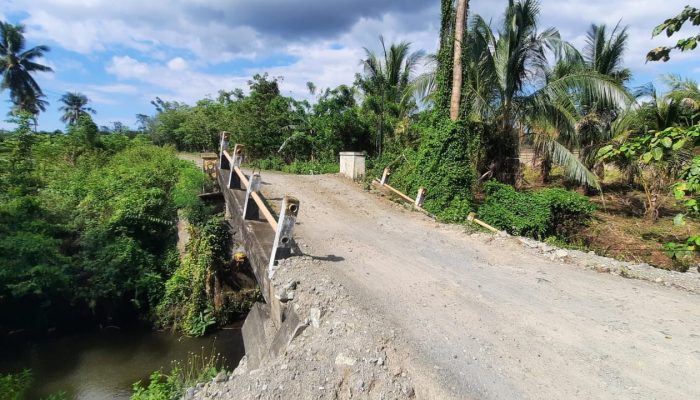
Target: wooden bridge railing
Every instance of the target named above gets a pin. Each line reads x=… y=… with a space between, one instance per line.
x=255 y=206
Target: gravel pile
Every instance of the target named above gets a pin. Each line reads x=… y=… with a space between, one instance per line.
x=342 y=354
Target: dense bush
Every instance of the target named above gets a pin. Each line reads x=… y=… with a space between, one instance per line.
x=539 y=214
x=87 y=226
x=443 y=163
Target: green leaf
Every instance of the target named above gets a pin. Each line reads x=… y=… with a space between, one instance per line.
x=678 y=145
x=646 y=157
x=658 y=153
x=666 y=142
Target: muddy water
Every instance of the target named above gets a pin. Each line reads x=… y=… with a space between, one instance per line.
x=104 y=365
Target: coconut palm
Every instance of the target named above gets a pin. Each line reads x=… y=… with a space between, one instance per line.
x=513 y=92
x=17 y=66
x=386 y=83
x=595 y=117
x=74 y=105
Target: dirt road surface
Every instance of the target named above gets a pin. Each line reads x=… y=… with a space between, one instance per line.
x=490 y=321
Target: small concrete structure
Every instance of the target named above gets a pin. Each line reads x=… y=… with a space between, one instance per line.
x=352 y=164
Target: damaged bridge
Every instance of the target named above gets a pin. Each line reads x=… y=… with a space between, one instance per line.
x=266 y=236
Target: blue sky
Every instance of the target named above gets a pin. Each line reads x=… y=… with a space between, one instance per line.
x=122 y=54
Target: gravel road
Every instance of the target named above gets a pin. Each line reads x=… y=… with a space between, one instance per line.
x=488 y=319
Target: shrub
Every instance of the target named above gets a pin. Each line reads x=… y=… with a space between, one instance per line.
x=197 y=368
x=15 y=386
x=548 y=212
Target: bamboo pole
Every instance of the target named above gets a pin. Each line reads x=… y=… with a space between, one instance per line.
x=264 y=210
x=258 y=200
x=472 y=218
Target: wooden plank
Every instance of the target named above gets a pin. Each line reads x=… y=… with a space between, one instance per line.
x=241 y=175
x=386 y=185
x=258 y=200
x=228 y=156
x=264 y=210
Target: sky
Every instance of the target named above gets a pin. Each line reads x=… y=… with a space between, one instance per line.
x=124 y=53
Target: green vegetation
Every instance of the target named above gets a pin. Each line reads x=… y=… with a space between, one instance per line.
x=671 y=26
x=185 y=305
x=16 y=386
x=88 y=228
x=539 y=214
x=656 y=159
x=197 y=368
x=16 y=67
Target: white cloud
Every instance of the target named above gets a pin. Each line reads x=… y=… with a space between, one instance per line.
x=177 y=64
x=181 y=84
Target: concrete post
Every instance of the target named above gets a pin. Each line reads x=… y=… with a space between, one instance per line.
x=282 y=246
x=250 y=209
x=385 y=176
x=223 y=146
x=237 y=155
x=234 y=181
x=420 y=198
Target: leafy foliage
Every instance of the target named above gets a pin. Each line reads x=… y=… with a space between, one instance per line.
x=688 y=191
x=657 y=158
x=15 y=387
x=186 y=304
x=443 y=164
x=671 y=26
x=197 y=368
x=540 y=214
x=17 y=66
x=74 y=106
x=386 y=85
x=85 y=225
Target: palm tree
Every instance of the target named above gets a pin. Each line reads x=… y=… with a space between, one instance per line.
x=456 y=96
x=74 y=105
x=16 y=67
x=594 y=117
x=512 y=90
x=386 y=83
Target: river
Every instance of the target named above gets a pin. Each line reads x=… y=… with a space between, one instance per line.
x=104 y=365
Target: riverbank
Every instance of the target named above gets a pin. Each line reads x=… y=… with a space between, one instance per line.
x=105 y=364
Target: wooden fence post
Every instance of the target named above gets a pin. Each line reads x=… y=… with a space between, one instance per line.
x=251 y=209
x=282 y=246
x=385 y=176
x=420 y=198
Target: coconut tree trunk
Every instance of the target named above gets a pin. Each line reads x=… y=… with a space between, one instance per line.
x=462 y=10
x=546 y=169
